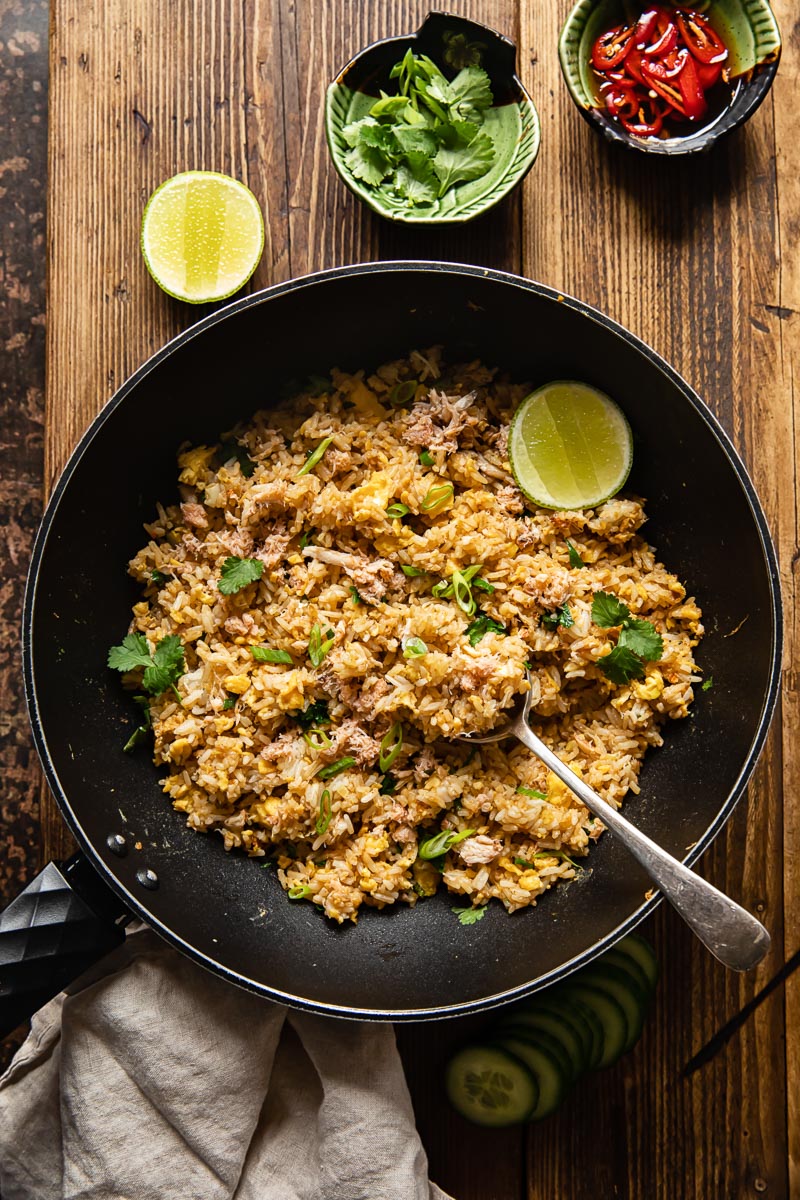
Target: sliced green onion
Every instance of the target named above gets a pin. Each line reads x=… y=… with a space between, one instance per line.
x=437 y=496
x=314 y=457
x=532 y=792
x=317 y=739
x=299 y=892
x=412 y=572
x=397 y=511
x=391 y=745
x=559 y=854
x=305 y=538
x=336 y=768
x=318 y=646
x=414 y=647
x=356 y=594
x=267 y=654
x=441 y=842
x=401 y=393
x=483 y=585
x=462 y=594
x=388 y=785
x=470 y=572
x=442 y=589
x=426 y=458
x=324 y=815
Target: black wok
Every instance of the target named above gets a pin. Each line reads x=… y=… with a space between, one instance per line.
x=138 y=858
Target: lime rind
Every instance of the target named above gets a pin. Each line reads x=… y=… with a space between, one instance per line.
x=551 y=450
x=241 y=278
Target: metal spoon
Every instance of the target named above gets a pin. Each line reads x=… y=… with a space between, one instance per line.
x=731 y=933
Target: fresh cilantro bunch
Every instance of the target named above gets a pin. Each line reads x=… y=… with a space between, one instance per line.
x=638 y=641
x=162 y=669
x=422 y=142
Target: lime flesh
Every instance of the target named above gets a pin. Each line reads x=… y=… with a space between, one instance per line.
x=570 y=446
x=202 y=236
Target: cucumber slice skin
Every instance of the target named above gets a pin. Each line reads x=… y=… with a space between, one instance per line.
x=616 y=958
x=611 y=1016
x=643 y=954
x=630 y=997
x=482 y=1062
x=555 y=1026
x=544 y=1065
x=582 y=1013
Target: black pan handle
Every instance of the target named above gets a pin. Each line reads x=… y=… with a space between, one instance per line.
x=65 y=920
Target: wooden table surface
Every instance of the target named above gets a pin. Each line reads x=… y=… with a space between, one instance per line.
x=699 y=258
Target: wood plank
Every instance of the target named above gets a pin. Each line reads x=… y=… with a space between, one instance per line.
x=650 y=243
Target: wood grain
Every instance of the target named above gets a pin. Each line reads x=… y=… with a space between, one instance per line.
x=698 y=258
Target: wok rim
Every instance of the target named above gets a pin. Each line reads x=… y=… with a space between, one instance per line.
x=136 y=905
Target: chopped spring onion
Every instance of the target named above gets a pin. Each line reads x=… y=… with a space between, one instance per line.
x=414 y=647
x=397 y=511
x=462 y=594
x=317 y=739
x=336 y=768
x=442 y=589
x=412 y=572
x=356 y=595
x=318 y=646
x=532 y=792
x=426 y=458
x=305 y=538
x=401 y=393
x=314 y=457
x=299 y=892
x=324 y=816
x=267 y=654
x=483 y=585
x=391 y=745
x=441 y=842
x=437 y=497
x=388 y=785
x=229 y=702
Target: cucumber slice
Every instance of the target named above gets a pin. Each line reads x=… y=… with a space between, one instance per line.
x=586 y=1019
x=615 y=958
x=630 y=997
x=643 y=954
x=489 y=1086
x=552 y=1025
x=610 y=1015
x=539 y=1058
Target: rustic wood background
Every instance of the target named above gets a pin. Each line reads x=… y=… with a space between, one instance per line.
x=699 y=258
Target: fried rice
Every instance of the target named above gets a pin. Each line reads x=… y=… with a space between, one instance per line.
x=253 y=750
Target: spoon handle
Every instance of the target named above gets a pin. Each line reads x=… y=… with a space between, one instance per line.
x=732 y=934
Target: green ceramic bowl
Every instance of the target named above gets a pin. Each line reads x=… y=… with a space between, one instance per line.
x=750 y=32
x=512 y=123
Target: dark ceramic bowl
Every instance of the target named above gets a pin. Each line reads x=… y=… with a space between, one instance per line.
x=750 y=32
x=452 y=43
x=222 y=909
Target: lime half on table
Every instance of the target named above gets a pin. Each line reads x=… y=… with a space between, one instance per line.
x=202 y=236
x=570 y=446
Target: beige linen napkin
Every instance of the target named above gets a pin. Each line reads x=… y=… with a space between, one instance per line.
x=155 y=1080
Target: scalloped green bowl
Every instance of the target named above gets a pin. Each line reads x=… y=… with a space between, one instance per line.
x=754 y=43
x=512 y=122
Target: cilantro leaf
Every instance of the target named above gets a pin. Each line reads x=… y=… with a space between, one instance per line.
x=131 y=654
x=471 y=93
x=481 y=626
x=562 y=616
x=352 y=133
x=621 y=665
x=608 y=611
x=707 y=684
x=378 y=137
x=575 y=559
x=416 y=139
x=231 y=450
x=642 y=639
x=162 y=668
x=417 y=182
x=469 y=916
x=238 y=572
x=314 y=715
x=229 y=702
x=167 y=666
x=460 y=165
x=367 y=163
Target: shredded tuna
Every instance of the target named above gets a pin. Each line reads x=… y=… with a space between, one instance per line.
x=240 y=626
x=273 y=547
x=373 y=579
x=195 y=514
x=439 y=421
x=477 y=672
x=551 y=588
x=350 y=738
x=425 y=764
x=479 y=849
x=281 y=749
x=618 y=520
x=509 y=498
